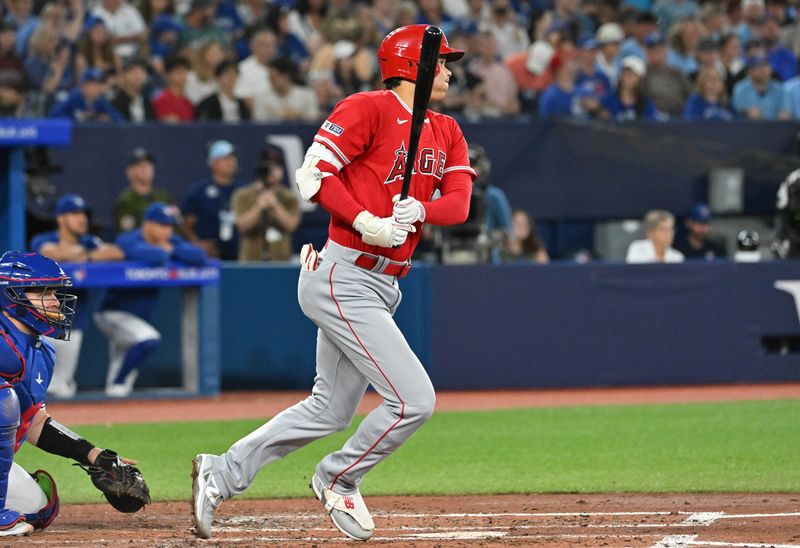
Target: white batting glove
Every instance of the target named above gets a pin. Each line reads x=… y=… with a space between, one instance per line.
x=381 y=231
x=408 y=211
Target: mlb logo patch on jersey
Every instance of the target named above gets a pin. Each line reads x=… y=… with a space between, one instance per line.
x=330 y=127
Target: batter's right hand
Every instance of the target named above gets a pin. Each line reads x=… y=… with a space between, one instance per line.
x=383 y=232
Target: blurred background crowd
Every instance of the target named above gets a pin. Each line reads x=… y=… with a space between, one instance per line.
x=182 y=60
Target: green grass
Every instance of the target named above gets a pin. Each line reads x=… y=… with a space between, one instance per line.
x=733 y=447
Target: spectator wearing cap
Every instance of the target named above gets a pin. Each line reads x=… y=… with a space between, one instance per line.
x=224 y=106
x=130 y=96
x=129 y=208
x=669 y=12
x=684 y=38
x=165 y=36
x=781 y=59
x=665 y=85
x=171 y=104
x=12 y=73
x=500 y=88
x=589 y=76
x=126 y=26
x=708 y=54
x=696 y=241
x=208 y=218
x=71 y=242
x=88 y=103
x=267 y=212
x=758 y=97
x=609 y=38
x=201 y=81
x=558 y=100
x=659 y=226
x=198 y=26
x=125 y=315
x=286 y=100
x=710 y=101
x=629 y=101
x=95 y=49
x=254 y=70
x=635 y=45
x=751 y=12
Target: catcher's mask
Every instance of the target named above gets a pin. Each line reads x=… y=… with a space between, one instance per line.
x=32 y=291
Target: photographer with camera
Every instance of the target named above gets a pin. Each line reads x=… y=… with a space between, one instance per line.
x=267 y=212
x=787 y=219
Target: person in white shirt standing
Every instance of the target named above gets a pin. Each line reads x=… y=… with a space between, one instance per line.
x=254 y=70
x=125 y=24
x=659 y=226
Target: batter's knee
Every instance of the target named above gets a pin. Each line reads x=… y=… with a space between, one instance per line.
x=421 y=407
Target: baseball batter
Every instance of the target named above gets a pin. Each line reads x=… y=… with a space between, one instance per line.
x=354 y=169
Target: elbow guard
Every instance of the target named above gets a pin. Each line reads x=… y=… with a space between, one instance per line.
x=309 y=177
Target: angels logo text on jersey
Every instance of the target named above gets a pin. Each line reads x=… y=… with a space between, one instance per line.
x=429 y=162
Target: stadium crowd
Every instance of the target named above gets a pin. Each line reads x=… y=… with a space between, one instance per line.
x=177 y=61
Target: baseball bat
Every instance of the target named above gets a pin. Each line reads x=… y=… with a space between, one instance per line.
x=426 y=72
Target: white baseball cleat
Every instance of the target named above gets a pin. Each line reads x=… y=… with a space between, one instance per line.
x=348 y=512
x=206 y=496
x=19 y=529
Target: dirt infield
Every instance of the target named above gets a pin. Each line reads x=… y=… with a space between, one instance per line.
x=657 y=521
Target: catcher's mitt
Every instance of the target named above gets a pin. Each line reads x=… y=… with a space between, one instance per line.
x=122 y=484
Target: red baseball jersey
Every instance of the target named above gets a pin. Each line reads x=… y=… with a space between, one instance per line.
x=368 y=134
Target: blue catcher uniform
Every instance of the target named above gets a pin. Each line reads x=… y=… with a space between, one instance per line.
x=125 y=315
x=26 y=363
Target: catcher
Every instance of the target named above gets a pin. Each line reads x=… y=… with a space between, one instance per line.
x=34 y=304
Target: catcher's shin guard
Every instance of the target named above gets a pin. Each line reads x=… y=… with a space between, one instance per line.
x=11 y=522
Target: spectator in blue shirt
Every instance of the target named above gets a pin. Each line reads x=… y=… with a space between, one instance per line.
x=589 y=76
x=758 y=97
x=670 y=12
x=125 y=315
x=781 y=59
x=208 y=217
x=644 y=24
x=629 y=102
x=752 y=12
x=684 y=38
x=87 y=103
x=790 y=100
x=557 y=100
x=710 y=102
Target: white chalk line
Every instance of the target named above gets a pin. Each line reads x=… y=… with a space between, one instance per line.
x=391 y=515
x=679 y=541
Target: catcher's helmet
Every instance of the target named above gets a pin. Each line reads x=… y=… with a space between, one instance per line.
x=398 y=54
x=21 y=272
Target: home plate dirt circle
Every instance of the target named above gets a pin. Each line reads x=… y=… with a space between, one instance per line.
x=657 y=521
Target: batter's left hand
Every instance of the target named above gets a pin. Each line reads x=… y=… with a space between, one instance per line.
x=408 y=211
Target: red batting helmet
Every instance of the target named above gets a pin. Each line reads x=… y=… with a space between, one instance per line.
x=398 y=54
